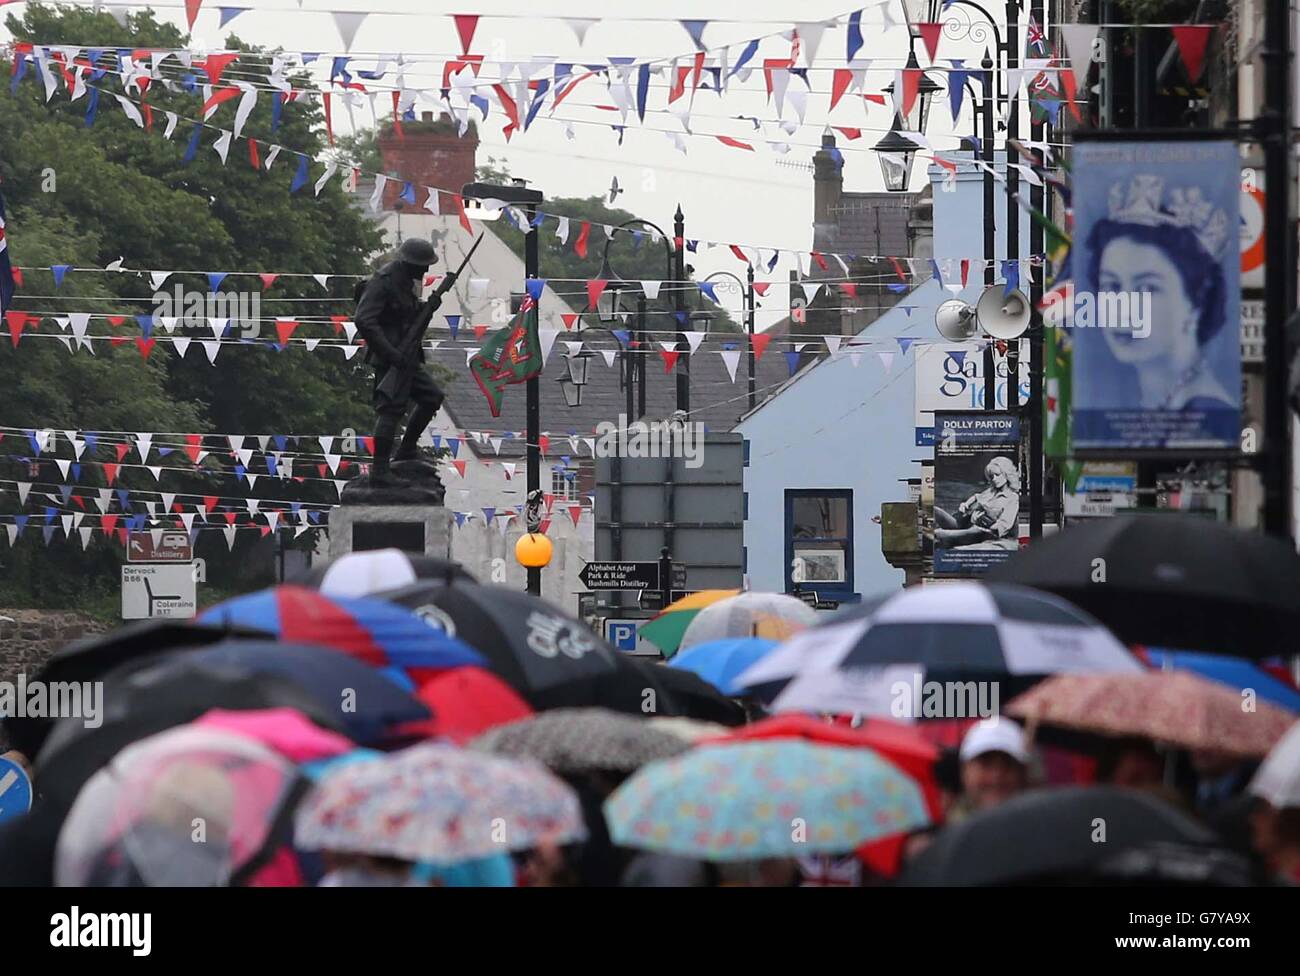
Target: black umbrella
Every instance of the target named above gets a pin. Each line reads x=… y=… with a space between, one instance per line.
x=91 y=658
x=375 y=570
x=1052 y=836
x=546 y=655
x=147 y=697
x=690 y=696
x=1172 y=581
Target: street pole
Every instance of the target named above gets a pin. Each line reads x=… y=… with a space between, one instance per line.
x=749 y=325
x=1273 y=126
x=679 y=309
x=1037 y=199
x=534 y=433
x=1013 y=187
x=639 y=359
x=986 y=145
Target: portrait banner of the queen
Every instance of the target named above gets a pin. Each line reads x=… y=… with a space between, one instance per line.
x=1154 y=314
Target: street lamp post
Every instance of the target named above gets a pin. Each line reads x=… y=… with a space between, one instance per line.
x=679 y=310
x=747 y=311
x=519 y=193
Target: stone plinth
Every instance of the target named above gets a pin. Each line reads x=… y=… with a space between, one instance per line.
x=424 y=529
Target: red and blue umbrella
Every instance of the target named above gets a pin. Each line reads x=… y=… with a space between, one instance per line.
x=409 y=648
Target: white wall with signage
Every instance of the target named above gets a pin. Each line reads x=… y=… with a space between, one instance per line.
x=950 y=376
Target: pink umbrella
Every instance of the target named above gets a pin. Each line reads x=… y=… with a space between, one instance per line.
x=283 y=730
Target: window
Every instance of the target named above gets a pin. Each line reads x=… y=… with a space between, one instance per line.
x=562 y=485
x=819 y=539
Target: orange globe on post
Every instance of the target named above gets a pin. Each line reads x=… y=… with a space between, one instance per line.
x=533 y=550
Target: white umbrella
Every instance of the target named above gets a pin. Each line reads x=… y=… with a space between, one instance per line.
x=1278 y=777
x=752 y=614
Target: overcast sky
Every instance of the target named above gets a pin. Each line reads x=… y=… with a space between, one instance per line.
x=762 y=197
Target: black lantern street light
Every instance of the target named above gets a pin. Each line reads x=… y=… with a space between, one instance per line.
x=896 y=152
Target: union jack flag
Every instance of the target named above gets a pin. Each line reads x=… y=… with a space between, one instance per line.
x=1035 y=39
x=6 y=270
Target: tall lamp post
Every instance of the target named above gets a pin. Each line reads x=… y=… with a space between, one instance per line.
x=518 y=193
x=747 y=310
x=673 y=264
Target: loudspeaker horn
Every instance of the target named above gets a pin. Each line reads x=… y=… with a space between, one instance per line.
x=1003 y=315
x=955 y=320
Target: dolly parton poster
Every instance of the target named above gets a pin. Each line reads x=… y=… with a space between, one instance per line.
x=1154 y=313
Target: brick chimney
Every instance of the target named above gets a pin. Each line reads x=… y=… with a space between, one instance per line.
x=427 y=153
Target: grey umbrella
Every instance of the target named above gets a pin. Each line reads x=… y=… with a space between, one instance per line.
x=580 y=740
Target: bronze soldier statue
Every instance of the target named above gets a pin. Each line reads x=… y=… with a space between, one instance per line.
x=388 y=312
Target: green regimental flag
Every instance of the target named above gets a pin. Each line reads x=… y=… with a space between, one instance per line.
x=509 y=355
x=1056 y=393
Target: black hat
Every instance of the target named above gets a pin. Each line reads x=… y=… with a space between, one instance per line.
x=416 y=250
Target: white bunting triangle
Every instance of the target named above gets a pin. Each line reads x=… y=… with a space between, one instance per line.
x=85 y=538
x=731 y=358
x=833 y=343
x=547 y=339
x=347 y=22
x=182 y=346
x=23 y=488
x=886 y=360
x=608 y=355
x=63 y=464
x=651 y=289
x=211 y=348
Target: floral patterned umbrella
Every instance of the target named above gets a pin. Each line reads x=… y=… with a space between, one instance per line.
x=1174 y=707
x=579 y=740
x=759 y=799
x=438 y=803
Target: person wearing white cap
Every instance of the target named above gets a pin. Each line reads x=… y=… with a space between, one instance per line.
x=994 y=765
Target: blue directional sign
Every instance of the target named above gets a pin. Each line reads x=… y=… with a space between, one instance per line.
x=15 y=790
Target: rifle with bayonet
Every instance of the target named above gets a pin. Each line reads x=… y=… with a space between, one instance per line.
x=399 y=375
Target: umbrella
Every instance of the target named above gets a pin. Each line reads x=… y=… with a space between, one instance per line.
x=666 y=628
x=961 y=630
x=742 y=801
x=1231 y=671
x=466 y=702
x=1173 y=707
x=535 y=647
x=689 y=695
x=1171 y=580
x=436 y=802
x=369 y=704
x=1051 y=835
x=281 y=730
x=370 y=630
x=719 y=662
x=774 y=616
x=375 y=570
x=582 y=740
x=91 y=657
x=134 y=822
x=1278 y=778
x=901 y=744
x=689 y=729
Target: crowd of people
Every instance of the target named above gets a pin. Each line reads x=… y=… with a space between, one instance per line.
x=224 y=758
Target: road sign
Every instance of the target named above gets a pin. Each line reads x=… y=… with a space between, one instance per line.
x=811 y=598
x=15 y=790
x=621 y=576
x=158 y=590
x=624 y=634
x=679 y=576
x=159 y=546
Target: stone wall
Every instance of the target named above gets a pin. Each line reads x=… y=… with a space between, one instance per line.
x=28 y=637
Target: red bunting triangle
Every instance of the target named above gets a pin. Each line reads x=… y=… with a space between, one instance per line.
x=575 y=513
x=321 y=469
x=1192 y=40
x=110 y=472
x=480 y=331
x=464 y=217
x=329 y=116
x=230 y=517
x=759 y=341
x=219 y=97
x=848 y=132
x=466 y=24
x=18 y=277
x=840 y=82
x=911 y=85
x=669 y=358
x=254 y=159
x=459 y=466
x=79 y=501
x=543 y=525
x=849 y=288
x=338 y=321
x=17 y=321
x=215 y=64
x=543 y=443
x=930 y=34
x=580 y=245
x=594 y=288
x=121 y=535
x=735 y=249
x=284 y=329
x=965 y=270
x=145 y=346
x=210 y=501
x=761 y=287
x=264 y=529
x=108 y=523
x=118 y=340
x=369 y=444
x=121 y=451
x=821 y=261
x=116 y=320
x=568 y=318
x=192 y=11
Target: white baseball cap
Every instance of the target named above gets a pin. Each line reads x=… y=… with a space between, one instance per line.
x=995 y=735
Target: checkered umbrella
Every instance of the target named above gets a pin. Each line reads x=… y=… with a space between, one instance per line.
x=961 y=630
